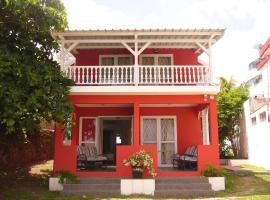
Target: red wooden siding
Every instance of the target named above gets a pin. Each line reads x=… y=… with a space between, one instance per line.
x=90 y=57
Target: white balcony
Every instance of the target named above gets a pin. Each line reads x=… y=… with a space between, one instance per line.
x=140 y=75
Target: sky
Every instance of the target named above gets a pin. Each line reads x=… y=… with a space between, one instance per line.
x=246 y=23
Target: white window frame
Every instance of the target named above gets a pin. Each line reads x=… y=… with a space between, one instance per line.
x=159 y=142
x=115 y=58
x=96 y=132
x=156 y=56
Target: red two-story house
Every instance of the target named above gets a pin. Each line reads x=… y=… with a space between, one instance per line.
x=139 y=89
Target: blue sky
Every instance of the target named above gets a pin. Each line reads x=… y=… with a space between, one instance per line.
x=246 y=23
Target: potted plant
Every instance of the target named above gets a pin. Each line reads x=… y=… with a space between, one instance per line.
x=140 y=161
x=215 y=177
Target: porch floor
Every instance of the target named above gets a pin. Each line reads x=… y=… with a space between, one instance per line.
x=99 y=169
x=173 y=169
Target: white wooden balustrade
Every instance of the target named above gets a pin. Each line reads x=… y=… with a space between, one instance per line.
x=148 y=75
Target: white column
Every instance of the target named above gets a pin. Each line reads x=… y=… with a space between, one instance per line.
x=62 y=59
x=210 y=61
x=136 y=64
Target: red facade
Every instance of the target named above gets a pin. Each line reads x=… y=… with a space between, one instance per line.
x=184 y=108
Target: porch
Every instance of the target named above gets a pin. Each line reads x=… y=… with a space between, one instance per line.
x=162 y=125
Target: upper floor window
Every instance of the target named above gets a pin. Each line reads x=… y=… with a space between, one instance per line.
x=253 y=121
x=156 y=59
x=111 y=60
x=262 y=116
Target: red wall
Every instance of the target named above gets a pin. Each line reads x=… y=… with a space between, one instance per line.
x=188 y=130
x=90 y=57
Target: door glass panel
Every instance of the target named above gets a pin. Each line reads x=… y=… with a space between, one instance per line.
x=167 y=140
x=148 y=60
x=107 y=61
x=88 y=130
x=167 y=129
x=167 y=151
x=164 y=60
x=149 y=131
x=124 y=61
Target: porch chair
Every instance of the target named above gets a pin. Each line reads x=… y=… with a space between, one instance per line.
x=87 y=157
x=187 y=160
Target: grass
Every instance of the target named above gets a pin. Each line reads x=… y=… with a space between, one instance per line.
x=253 y=168
x=31 y=184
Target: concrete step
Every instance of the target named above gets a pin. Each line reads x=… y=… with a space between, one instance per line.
x=98 y=180
x=86 y=186
x=94 y=192
x=201 y=186
x=93 y=186
x=182 y=180
x=175 y=193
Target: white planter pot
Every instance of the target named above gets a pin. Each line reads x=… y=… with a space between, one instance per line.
x=217 y=183
x=54 y=184
x=67 y=142
x=137 y=186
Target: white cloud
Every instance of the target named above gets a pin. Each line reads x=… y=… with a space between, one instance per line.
x=245 y=22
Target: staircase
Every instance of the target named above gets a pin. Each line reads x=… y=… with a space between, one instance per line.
x=176 y=187
x=93 y=186
x=183 y=187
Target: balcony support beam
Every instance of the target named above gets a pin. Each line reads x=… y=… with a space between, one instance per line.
x=72 y=46
x=128 y=48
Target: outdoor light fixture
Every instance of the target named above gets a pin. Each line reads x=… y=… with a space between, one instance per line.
x=212 y=97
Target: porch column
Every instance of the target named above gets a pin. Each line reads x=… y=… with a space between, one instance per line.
x=136 y=124
x=213 y=122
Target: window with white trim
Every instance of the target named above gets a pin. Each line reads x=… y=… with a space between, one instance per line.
x=253 y=121
x=111 y=60
x=263 y=116
x=156 y=59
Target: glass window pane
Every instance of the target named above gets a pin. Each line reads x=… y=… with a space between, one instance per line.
x=107 y=61
x=124 y=61
x=148 y=60
x=149 y=130
x=164 y=60
x=167 y=129
x=167 y=151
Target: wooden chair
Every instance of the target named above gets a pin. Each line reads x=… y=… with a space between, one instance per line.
x=87 y=157
x=187 y=160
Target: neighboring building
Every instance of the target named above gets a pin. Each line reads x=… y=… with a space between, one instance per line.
x=140 y=89
x=257 y=109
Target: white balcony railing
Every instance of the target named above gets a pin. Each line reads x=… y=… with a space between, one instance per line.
x=144 y=75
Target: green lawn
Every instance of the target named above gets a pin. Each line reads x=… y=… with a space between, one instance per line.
x=23 y=185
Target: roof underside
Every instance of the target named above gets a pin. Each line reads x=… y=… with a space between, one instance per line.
x=157 y=38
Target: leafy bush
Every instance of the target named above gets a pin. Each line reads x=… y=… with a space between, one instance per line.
x=66 y=176
x=213 y=172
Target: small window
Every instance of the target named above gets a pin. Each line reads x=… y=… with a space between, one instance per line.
x=262 y=116
x=111 y=60
x=253 y=121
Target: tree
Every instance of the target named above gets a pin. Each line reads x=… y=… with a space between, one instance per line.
x=32 y=87
x=230 y=101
